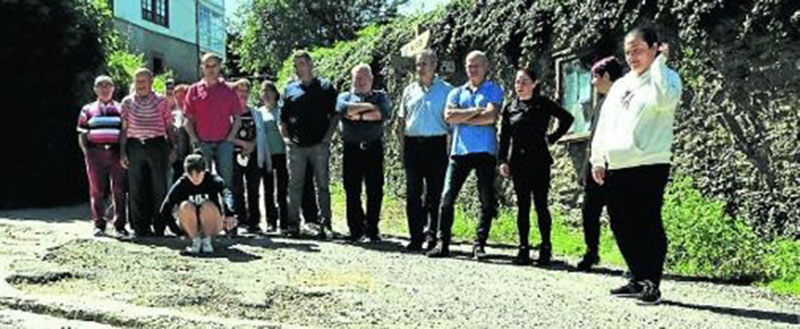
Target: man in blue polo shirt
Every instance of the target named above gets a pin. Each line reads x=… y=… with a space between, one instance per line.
x=472 y=110
x=424 y=144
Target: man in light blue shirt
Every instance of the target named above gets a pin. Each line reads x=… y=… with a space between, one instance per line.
x=472 y=110
x=424 y=149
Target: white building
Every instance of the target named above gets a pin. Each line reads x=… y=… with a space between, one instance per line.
x=172 y=34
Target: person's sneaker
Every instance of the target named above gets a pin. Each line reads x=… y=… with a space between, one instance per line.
x=321 y=234
x=545 y=255
x=255 y=229
x=122 y=233
x=441 y=250
x=271 y=228
x=197 y=244
x=313 y=229
x=98 y=232
x=478 y=251
x=430 y=243
x=414 y=245
x=354 y=238
x=631 y=289
x=523 y=256
x=373 y=238
x=587 y=262
x=207 y=247
x=650 y=295
x=291 y=232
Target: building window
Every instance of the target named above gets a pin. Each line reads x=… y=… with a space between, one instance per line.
x=211 y=27
x=158 y=65
x=156 y=11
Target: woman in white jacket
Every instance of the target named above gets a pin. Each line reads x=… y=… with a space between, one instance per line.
x=631 y=156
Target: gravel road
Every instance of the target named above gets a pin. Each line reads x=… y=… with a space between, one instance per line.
x=59 y=274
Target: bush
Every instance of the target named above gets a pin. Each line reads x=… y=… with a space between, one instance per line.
x=122 y=64
x=703 y=240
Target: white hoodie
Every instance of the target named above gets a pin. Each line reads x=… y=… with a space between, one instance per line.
x=635 y=126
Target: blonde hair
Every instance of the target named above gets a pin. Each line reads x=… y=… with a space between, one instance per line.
x=361 y=67
x=213 y=56
x=242 y=83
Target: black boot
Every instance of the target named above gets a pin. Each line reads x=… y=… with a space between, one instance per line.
x=523 y=256
x=589 y=259
x=545 y=254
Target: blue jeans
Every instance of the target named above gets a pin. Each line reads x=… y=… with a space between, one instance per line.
x=457 y=172
x=221 y=154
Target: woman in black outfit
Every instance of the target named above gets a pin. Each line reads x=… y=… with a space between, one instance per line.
x=524 y=130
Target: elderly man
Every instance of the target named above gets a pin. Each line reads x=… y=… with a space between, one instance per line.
x=212 y=117
x=308 y=120
x=424 y=143
x=146 y=152
x=364 y=112
x=472 y=110
x=99 y=125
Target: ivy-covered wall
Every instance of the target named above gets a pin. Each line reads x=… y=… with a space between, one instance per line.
x=737 y=131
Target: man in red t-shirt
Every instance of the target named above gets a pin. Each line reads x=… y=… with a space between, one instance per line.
x=212 y=117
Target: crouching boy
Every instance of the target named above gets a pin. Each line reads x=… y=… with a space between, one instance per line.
x=201 y=199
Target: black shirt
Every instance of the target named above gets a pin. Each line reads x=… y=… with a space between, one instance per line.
x=308 y=110
x=524 y=124
x=211 y=189
x=247 y=130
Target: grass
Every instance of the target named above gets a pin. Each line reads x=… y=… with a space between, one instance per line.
x=567 y=240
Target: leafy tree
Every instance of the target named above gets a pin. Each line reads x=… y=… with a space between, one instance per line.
x=271 y=29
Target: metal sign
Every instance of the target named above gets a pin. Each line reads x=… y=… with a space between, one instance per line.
x=416 y=46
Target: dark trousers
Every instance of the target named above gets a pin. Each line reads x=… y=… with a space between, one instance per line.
x=531 y=177
x=278 y=181
x=458 y=168
x=103 y=169
x=635 y=196
x=247 y=191
x=425 y=161
x=594 y=199
x=309 y=207
x=363 y=164
x=147 y=181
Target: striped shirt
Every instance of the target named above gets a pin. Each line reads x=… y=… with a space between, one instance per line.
x=100 y=122
x=147 y=117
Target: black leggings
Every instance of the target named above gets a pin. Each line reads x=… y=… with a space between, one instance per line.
x=531 y=178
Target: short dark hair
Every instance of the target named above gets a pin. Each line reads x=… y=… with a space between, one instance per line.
x=608 y=65
x=529 y=72
x=194 y=163
x=302 y=54
x=646 y=33
x=269 y=84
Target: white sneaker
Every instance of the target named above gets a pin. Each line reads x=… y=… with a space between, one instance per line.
x=312 y=229
x=196 y=244
x=207 y=247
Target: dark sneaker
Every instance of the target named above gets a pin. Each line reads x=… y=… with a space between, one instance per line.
x=523 y=256
x=650 y=295
x=255 y=229
x=373 y=238
x=430 y=243
x=98 y=232
x=478 y=251
x=545 y=255
x=441 y=250
x=271 y=228
x=587 y=262
x=122 y=233
x=632 y=289
x=414 y=245
x=291 y=232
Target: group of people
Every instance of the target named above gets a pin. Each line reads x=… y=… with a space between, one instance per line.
x=447 y=132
